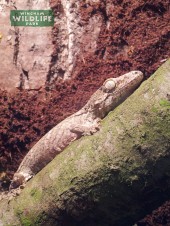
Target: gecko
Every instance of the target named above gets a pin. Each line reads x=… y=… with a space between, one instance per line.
x=86 y=121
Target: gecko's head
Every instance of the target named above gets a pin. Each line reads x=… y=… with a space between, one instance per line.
x=114 y=91
x=129 y=81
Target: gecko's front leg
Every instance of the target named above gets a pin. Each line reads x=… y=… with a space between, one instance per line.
x=86 y=129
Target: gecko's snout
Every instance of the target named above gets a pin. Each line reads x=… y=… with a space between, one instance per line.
x=138 y=73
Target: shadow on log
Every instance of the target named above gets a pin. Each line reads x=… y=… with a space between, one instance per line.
x=111 y=178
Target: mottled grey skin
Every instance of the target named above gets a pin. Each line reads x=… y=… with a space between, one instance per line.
x=86 y=121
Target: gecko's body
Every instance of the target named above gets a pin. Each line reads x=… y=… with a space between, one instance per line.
x=85 y=121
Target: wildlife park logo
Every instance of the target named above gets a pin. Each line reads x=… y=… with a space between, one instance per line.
x=32 y=18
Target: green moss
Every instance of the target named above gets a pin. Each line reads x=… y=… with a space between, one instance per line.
x=25 y=221
x=18 y=212
x=164 y=103
x=36 y=194
x=155 y=109
x=40 y=219
x=30 y=221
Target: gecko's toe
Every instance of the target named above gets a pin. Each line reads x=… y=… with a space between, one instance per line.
x=13 y=185
x=16 y=182
x=94 y=130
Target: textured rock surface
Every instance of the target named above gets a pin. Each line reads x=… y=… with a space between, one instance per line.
x=96 y=37
x=9 y=73
x=44 y=55
x=75 y=38
x=34 y=49
x=25 y=61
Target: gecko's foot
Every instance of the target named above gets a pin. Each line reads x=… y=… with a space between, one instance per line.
x=92 y=131
x=18 y=180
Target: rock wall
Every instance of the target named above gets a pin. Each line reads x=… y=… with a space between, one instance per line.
x=38 y=56
x=73 y=38
x=34 y=49
x=8 y=46
x=90 y=37
x=25 y=61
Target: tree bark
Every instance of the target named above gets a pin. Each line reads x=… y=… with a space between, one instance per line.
x=113 y=177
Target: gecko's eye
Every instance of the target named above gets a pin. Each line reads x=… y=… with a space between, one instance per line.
x=109 y=85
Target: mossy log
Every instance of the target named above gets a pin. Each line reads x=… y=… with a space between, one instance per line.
x=111 y=178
